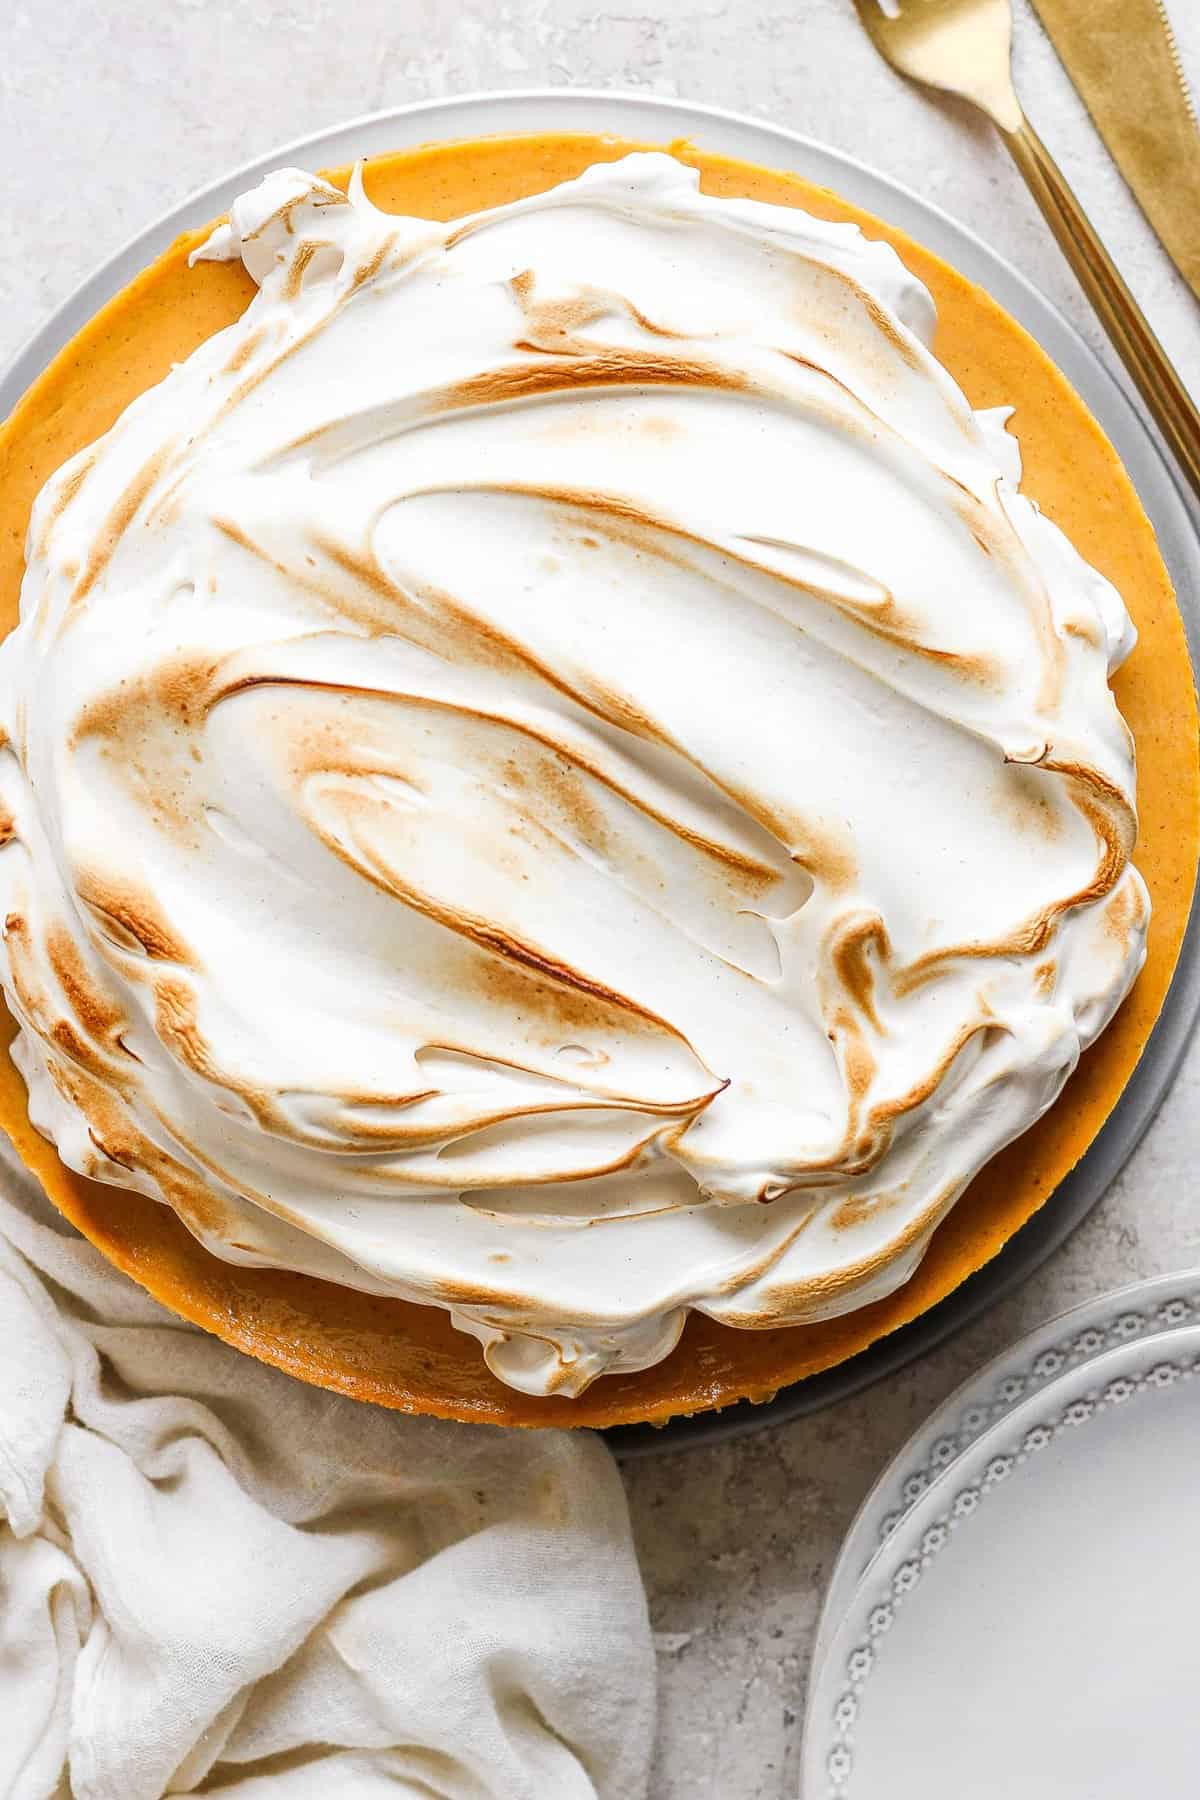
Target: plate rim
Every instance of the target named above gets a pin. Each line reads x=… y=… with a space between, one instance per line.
x=969 y=1473
x=623 y=112
x=871 y=1528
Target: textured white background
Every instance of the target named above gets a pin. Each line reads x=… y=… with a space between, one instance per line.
x=109 y=113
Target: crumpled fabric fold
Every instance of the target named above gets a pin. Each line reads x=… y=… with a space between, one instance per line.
x=216 y=1579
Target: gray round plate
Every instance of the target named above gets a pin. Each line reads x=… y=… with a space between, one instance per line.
x=662 y=121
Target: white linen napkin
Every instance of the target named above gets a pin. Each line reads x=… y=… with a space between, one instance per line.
x=214 y=1578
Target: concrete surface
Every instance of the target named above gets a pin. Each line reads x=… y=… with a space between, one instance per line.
x=111 y=112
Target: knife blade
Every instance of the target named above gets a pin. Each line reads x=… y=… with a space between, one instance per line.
x=1122 y=57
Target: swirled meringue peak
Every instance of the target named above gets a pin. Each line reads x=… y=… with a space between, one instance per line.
x=550 y=772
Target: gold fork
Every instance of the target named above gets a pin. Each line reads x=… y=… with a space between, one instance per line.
x=964 y=47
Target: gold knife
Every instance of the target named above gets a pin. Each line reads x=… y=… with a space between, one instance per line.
x=1124 y=61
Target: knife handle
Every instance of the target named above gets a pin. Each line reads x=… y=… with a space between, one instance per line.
x=1154 y=375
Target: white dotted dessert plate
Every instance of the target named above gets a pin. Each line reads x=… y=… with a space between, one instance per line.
x=1060 y=1346
x=1029 y=1625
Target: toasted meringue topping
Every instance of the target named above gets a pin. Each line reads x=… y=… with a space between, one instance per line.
x=552 y=773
